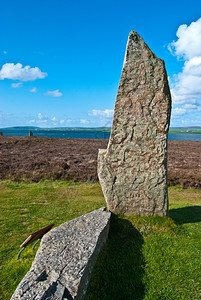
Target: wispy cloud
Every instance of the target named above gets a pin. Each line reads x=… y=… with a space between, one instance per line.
x=17 y=85
x=84 y=122
x=18 y=72
x=107 y=113
x=33 y=90
x=103 y=117
x=54 y=93
x=40 y=116
x=4 y=118
x=178 y=111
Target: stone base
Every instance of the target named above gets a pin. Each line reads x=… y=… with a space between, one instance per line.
x=145 y=195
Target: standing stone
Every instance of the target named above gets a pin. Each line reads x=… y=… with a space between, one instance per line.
x=133 y=169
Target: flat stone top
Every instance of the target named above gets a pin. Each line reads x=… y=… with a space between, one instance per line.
x=62 y=257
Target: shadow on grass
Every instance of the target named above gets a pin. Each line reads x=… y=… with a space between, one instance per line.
x=119 y=269
x=190 y=214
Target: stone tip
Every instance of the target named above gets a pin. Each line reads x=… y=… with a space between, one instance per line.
x=136 y=45
x=132 y=32
x=133 y=35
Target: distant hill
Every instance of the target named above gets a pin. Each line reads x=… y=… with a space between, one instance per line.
x=188 y=129
x=18 y=128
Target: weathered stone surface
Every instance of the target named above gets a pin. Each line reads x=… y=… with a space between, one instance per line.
x=133 y=169
x=65 y=259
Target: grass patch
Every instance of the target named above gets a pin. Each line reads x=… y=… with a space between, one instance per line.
x=144 y=257
x=26 y=208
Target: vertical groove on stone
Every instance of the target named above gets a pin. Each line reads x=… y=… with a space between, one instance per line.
x=133 y=169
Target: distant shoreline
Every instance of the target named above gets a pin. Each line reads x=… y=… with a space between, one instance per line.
x=189 y=131
x=195 y=129
x=193 y=134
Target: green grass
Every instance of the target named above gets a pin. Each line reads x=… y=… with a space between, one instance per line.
x=144 y=257
x=185 y=131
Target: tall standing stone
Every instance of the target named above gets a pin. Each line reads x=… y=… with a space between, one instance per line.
x=133 y=169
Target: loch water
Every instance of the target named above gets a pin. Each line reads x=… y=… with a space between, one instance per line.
x=87 y=134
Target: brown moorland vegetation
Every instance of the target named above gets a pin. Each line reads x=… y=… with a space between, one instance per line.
x=35 y=158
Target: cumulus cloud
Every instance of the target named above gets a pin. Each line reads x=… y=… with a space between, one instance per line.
x=16 y=85
x=43 y=120
x=107 y=113
x=55 y=93
x=33 y=90
x=186 y=85
x=18 y=72
x=188 y=44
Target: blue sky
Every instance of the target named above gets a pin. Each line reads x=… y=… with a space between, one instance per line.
x=61 y=61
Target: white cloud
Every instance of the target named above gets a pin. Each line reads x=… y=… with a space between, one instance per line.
x=188 y=122
x=16 y=85
x=40 y=116
x=186 y=85
x=39 y=120
x=55 y=93
x=47 y=121
x=178 y=111
x=191 y=107
x=188 y=44
x=84 y=122
x=4 y=52
x=107 y=113
x=18 y=72
x=33 y=90
x=103 y=117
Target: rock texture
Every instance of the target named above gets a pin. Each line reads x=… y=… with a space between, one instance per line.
x=65 y=259
x=133 y=169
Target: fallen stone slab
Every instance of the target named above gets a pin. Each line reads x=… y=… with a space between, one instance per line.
x=64 y=261
x=133 y=169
